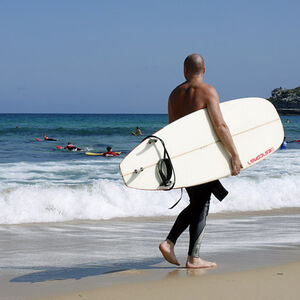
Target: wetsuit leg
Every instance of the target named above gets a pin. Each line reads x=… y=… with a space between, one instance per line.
x=200 y=200
x=194 y=215
x=180 y=225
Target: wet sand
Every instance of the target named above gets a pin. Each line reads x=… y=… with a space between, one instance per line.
x=277 y=282
x=258 y=257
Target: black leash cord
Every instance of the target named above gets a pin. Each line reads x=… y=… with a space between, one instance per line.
x=166 y=160
x=177 y=200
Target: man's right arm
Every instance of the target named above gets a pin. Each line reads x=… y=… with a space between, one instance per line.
x=221 y=129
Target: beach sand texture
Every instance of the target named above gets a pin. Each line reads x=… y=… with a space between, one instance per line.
x=263 y=262
x=277 y=282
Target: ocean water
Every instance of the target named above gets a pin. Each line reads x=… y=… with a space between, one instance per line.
x=39 y=183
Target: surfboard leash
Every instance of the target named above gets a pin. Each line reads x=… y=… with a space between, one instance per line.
x=165 y=164
x=177 y=200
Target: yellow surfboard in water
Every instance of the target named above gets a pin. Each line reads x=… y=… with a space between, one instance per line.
x=98 y=154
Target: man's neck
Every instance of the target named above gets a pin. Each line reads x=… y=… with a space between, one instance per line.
x=194 y=78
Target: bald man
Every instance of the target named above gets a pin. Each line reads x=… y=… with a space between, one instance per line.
x=188 y=97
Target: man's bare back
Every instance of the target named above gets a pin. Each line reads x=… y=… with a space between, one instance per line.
x=188 y=97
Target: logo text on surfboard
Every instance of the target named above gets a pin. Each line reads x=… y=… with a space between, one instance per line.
x=260 y=156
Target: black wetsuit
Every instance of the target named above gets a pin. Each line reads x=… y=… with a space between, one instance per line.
x=194 y=215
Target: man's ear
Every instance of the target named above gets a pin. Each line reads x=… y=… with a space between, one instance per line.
x=185 y=71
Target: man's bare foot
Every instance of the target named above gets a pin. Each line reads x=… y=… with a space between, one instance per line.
x=167 y=250
x=198 y=263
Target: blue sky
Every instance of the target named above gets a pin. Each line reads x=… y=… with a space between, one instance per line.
x=60 y=56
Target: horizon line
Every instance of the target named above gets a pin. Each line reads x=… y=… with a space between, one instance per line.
x=75 y=113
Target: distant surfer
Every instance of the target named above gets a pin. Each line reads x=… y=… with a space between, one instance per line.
x=46 y=138
x=283 y=145
x=188 y=97
x=110 y=153
x=137 y=131
x=71 y=147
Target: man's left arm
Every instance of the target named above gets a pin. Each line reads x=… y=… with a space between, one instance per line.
x=222 y=130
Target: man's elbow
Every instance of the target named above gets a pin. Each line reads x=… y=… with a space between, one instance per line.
x=221 y=127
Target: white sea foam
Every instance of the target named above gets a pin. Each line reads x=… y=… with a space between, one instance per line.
x=93 y=189
x=63 y=172
x=106 y=199
x=103 y=199
x=266 y=194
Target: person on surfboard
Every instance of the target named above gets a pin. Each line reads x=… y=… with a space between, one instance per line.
x=109 y=152
x=46 y=138
x=71 y=147
x=186 y=98
x=137 y=132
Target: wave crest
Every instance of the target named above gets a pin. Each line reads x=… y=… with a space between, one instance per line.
x=105 y=199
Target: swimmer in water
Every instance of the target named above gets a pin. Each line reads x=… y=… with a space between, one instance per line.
x=71 y=147
x=48 y=139
x=138 y=131
x=109 y=152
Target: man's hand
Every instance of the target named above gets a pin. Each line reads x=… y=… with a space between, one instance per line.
x=236 y=165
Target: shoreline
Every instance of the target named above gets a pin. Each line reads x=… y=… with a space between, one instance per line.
x=254 y=274
x=216 y=215
x=119 y=258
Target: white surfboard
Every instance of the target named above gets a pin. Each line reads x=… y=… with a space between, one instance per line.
x=196 y=153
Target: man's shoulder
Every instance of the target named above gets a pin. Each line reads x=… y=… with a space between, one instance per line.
x=209 y=92
x=208 y=88
x=179 y=88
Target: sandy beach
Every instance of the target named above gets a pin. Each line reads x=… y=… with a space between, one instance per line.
x=257 y=259
x=163 y=282
x=277 y=282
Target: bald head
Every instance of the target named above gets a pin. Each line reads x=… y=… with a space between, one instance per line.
x=194 y=65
